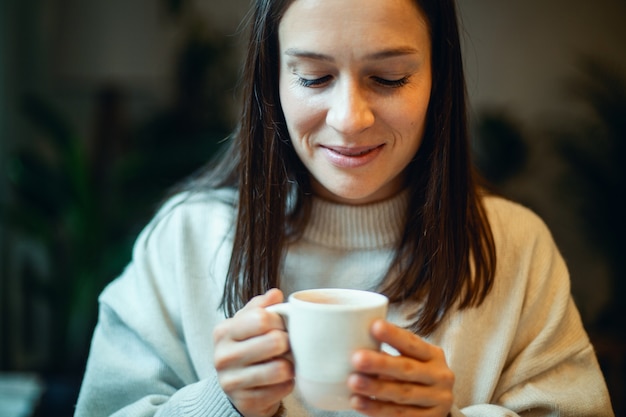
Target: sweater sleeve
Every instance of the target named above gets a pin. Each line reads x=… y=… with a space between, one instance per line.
x=550 y=367
x=139 y=363
x=127 y=377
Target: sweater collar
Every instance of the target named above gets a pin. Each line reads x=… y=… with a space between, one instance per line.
x=370 y=226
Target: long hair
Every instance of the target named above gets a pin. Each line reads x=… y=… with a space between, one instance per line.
x=446 y=255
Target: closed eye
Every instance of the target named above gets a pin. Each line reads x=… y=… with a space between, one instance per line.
x=391 y=83
x=317 y=82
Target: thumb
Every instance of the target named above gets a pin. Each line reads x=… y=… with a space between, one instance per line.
x=273 y=296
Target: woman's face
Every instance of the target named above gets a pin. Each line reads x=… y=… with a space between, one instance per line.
x=355 y=81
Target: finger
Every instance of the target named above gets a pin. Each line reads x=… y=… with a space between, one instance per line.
x=251 y=351
x=272 y=296
x=404 y=341
x=254 y=322
x=277 y=371
x=394 y=391
x=371 y=407
x=390 y=367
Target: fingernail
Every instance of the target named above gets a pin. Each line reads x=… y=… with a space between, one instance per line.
x=359 y=382
x=358 y=403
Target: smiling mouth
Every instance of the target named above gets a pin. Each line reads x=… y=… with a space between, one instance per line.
x=352 y=152
x=352 y=157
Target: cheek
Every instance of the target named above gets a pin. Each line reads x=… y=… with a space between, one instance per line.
x=418 y=124
x=286 y=101
x=302 y=114
x=409 y=129
x=289 y=103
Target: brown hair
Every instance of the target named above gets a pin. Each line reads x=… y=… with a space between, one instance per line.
x=446 y=254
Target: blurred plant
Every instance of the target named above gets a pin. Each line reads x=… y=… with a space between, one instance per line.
x=499 y=149
x=54 y=202
x=595 y=183
x=203 y=106
x=85 y=199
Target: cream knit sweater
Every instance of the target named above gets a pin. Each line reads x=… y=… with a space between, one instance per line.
x=522 y=352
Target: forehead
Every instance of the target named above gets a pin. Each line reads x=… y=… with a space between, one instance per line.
x=334 y=22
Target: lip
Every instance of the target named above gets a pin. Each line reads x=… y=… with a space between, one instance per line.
x=351 y=157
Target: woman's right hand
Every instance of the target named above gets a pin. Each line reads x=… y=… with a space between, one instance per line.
x=249 y=357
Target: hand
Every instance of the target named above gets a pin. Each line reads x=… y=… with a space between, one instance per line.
x=416 y=383
x=248 y=349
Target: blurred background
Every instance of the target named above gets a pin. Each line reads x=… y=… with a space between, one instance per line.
x=105 y=104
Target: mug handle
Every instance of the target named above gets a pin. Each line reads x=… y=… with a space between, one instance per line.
x=282 y=309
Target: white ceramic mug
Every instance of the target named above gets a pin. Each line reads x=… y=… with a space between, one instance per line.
x=326 y=326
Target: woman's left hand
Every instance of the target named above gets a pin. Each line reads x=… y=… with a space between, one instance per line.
x=416 y=383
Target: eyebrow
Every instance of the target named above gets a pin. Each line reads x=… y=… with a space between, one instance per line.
x=387 y=53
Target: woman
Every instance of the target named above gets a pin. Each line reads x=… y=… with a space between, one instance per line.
x=350 y=168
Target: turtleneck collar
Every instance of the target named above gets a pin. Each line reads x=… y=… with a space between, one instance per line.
x=370 y=226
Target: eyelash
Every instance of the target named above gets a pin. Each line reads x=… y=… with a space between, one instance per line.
x=318 y=82
x=392 y=83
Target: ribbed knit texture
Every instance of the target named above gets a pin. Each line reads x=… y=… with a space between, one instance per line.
x=372 y=226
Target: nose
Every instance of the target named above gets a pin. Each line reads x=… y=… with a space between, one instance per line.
x=349 y=110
